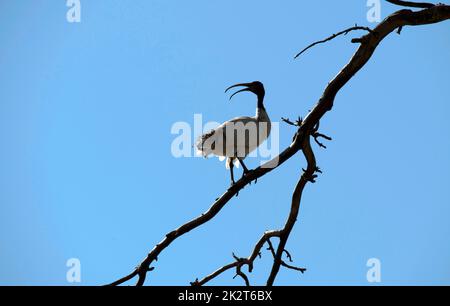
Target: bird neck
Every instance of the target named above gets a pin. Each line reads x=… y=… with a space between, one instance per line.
x=261 y=114
x=260 y=102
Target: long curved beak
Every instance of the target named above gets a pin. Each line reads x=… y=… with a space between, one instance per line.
x=239 y=85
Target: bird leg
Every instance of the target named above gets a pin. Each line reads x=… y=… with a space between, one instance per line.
x=232 y=174
x=243 y=165
x=245 y=169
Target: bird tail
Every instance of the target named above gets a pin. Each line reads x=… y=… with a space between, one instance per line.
x=204 y=148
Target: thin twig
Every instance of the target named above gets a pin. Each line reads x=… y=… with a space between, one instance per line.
x=344 y=32
x=283 y=264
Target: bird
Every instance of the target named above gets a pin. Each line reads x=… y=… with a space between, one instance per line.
x=235 y=139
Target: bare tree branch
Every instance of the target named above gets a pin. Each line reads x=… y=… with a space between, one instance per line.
x=411 y=4
x=240 y=262
x=242 y=275
x=344 y=32
x=308 y=176
x=429 y=15
x=284 y=264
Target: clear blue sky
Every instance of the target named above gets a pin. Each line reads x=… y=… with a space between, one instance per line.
x=86 y=169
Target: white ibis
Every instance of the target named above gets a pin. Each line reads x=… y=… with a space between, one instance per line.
x=235 y=139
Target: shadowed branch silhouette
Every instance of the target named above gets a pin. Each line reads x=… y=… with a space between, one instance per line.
x=411 y=4
x=306 y=128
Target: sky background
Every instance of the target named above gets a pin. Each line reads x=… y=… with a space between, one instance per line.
x=86 y=169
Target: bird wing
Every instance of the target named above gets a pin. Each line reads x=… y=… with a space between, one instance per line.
x=215 y=141
x=243 y=119
x=246 y=135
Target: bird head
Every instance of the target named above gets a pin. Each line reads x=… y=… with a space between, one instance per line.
x=255 y=87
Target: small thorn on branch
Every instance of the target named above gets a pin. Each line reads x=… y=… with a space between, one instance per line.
x=195 y=283
x=171 y=234
x=238 y=259
x=288 y=255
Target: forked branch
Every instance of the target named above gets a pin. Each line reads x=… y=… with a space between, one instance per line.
x=240 y=262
